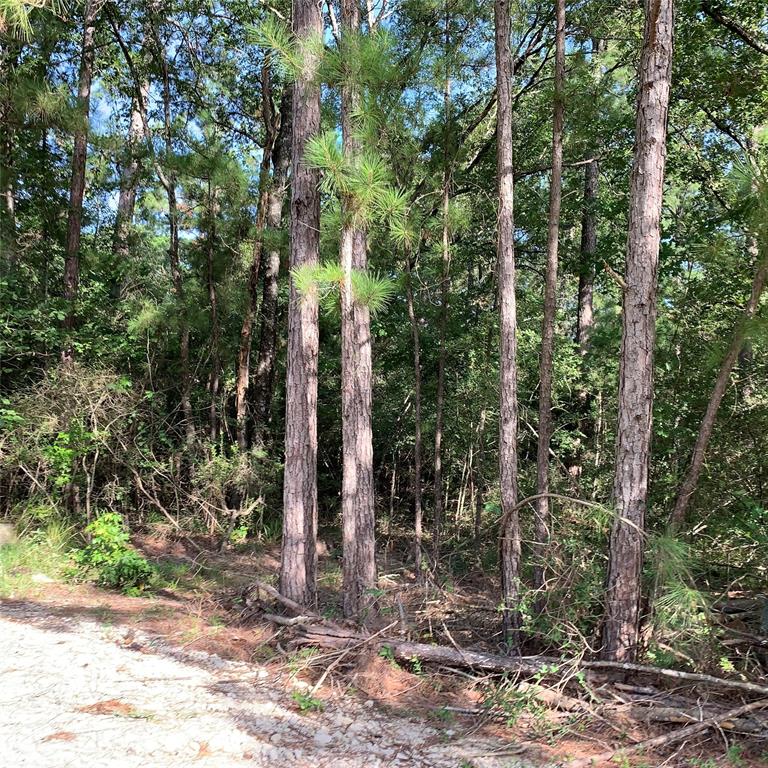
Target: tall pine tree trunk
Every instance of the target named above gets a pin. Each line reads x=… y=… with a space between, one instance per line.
x=633 y=437
x=252 y=296
x=542 y=526
x=77 y=179
x=585 y=313
x=357 y=498
x=299 y=556
x=688 y=486
x=445 y=285
x=510 y=534
x=417 y=444
x=214 y=378
x=8 y=57
x=131 y=173
x=264 y=377
x=168 y=180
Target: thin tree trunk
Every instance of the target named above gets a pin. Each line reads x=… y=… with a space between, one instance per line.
x=8 y=59
x=633 y=436
x=688 y=486
x=477 y=479
x=299 y=555
x=129 y=178
x=510 y=535
x=77 y=179
x=542 y=528
x=417 y=447
x=264 y=377
x=585 y=315
x=252 y=297
x=357 y=497
x=177 y=279
x=445 y=284
x=213 y=302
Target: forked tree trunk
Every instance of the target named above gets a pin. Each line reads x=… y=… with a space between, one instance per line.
x=129 y=178
x=299 y=556
x=264 y=377
x=77 y=179
x=252 y=296
x=417 y=446
x=633 y=436
x=357 y=497
x=542 y=527
x=510 y=533
x=688 y=486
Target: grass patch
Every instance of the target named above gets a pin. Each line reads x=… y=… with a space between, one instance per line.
x=44 y=552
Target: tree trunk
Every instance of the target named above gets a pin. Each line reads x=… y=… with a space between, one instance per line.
x=510 y=535
x=417 y=447
x=8 y=58
x=542 y=526
x=445 y=284
x=688 y=486
x=633 y=436
x=77 y=179
x=357 y=497
x=213 y=302
x=169 y=183
x=299 y=556
x=264 y=377
x=129 y=178
x=252 y=297
x=585 y=316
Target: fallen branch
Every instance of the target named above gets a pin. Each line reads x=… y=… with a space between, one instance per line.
x=669 y=738
x=676 y=674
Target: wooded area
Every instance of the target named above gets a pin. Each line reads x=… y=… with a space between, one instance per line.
x=471 y=289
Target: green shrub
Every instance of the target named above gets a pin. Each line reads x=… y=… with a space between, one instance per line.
x=110 y=556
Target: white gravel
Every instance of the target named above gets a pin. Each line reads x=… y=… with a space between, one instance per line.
x=188 y=708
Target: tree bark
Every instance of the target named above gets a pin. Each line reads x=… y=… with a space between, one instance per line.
x=357 y=496
x=299 y=556
x=542 y=527
x=690 y=482
x=252 y=296
x=417 y=446
x=77 y=179
x=264 y=378
x=510 y=537
x=633 y=440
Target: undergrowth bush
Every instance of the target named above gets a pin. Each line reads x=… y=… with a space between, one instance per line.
x=110 y=557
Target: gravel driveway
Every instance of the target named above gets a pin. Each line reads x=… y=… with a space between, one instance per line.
x=77 y=693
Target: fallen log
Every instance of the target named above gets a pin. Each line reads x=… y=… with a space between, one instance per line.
x=668 y=738
x=322 y=632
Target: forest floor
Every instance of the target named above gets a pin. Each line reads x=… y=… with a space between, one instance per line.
x=179 y=677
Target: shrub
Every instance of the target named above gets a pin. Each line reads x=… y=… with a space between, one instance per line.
x=110 y=556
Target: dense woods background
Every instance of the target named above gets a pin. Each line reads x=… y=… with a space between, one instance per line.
x=165 y=164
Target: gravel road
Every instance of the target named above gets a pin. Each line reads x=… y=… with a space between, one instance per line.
x=77 y=693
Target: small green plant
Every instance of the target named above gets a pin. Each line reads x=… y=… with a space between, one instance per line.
x=111 y=558
x=387 y=653
x=306 y=702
